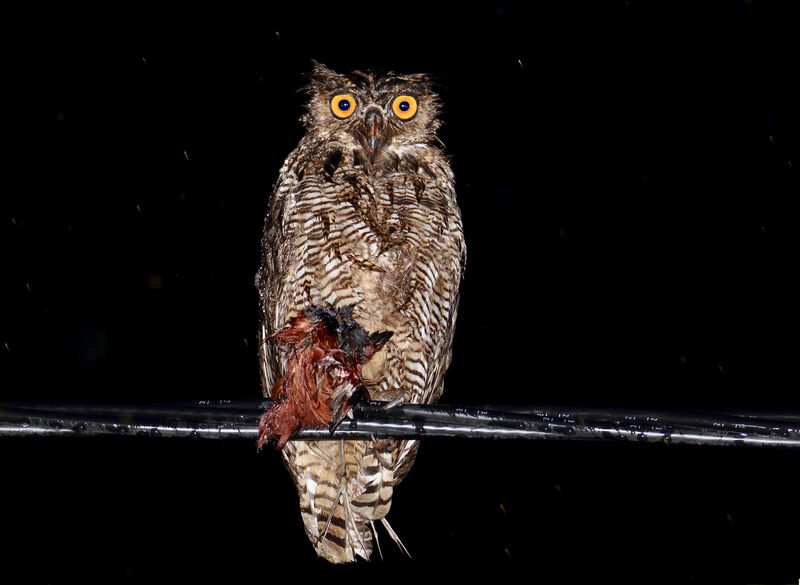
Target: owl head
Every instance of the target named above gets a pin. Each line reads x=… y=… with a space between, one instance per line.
x=375 y=115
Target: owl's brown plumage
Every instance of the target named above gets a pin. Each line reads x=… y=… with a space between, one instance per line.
x=363 y=215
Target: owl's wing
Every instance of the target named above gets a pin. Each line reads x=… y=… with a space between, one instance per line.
x=430 y=301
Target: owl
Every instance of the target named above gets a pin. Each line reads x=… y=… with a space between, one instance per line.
x=362 y=257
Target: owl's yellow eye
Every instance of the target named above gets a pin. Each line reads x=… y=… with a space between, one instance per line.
x=343 y=105
x=404 y=107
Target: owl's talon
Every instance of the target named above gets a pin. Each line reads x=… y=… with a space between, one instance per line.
x=393 y=403
x=381 y=445
x=373 y=381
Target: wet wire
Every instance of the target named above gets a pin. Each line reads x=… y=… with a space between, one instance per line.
x=238 y=419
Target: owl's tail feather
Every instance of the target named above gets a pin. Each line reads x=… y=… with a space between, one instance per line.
x=392 y=534
x=360 y=542
x=375 y=536
x=344 y=487
x=394 y=537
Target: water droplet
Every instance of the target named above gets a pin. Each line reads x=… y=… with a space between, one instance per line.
x=154 y=281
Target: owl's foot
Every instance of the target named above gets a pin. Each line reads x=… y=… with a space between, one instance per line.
x=381 y=445
x=369 y=382
x=394 y=402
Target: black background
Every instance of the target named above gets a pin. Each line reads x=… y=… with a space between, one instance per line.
x=626 y=172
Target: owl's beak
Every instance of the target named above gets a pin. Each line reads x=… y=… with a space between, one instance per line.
x=373 y=122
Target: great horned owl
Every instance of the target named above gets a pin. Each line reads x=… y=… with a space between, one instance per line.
x=363 y=234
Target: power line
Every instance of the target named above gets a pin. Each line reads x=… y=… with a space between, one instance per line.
x=238 y=419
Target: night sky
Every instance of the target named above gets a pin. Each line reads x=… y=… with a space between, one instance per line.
x=626 y=173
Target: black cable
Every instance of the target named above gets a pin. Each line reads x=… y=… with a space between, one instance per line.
x=226 y=419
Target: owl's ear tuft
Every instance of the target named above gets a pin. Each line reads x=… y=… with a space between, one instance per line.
x=320 y=77
x=320 y=69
